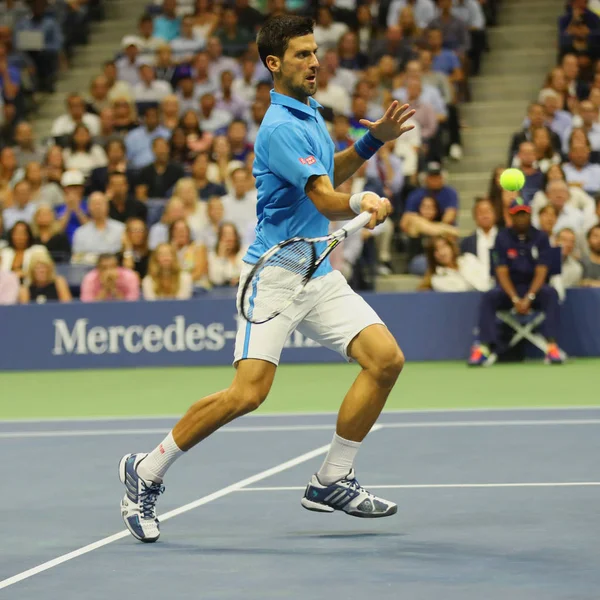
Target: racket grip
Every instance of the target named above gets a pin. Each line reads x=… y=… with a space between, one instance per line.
x=357 y=223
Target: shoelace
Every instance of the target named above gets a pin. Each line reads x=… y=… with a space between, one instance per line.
x=148 y=497
x=356 y=486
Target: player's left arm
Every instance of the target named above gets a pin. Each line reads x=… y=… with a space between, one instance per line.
x=389 y=127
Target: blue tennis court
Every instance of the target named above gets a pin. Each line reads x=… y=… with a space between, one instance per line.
x=492 y=504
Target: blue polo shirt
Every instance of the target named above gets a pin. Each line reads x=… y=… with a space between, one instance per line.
x=292 y=145
x=521 y=254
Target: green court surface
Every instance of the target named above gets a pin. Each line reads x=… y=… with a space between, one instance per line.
x=297 y=388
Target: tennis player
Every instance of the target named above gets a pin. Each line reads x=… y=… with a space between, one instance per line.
x=297 y=175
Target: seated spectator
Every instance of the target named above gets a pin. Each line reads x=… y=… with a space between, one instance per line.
x=557 y=82
x=206 y=187
x=204 y=82
x=534 y=178
x=178 y=148
x=482 y=241
x=169 y=109
x=455 y=32
x=194 y=210
x=443 y=60
x=165 y=278
x=225 y=260
x=167 y=25
x=233 y=37
x=577 y=88
x=535 y=120
x=521 y=265
x=588 y=114
x=435 y=187
x=547 y=219
x=124 y=116
x=472 y=13
x=258 y=110
x=215 y=212
x=572 y=269
x=73 y=213
x=186 y=94
x=222 y=163
x=349 y=53
x=26 y=150
x=237 y=135
x=139 y=142
x=157 y=179
x=213 y=119
x=116 y=162
x=433 y=87
x=392 y=44
x=82 y=154
x=9 y=285
x=9 y=170
x=135 y=254
x=42 y=190
x=424 y=11
x=46 y=232
x=226 y=100
x=23 y=208
x=108 y=131
x=149 y=89
x=159 y=232
x=447 y=271
x=244 y=87
x=556 y=119
x=579 y=171
x=100 y=235
x=118 y=88
x=386 y=169
x=331 y=95
x=197 y=139
x=219 y=62
x=567 y=216
x=54 y=164
x=108 y=281
x=16 y=256
x=545 y=155
x=98 y=98
x=327 y=32
x=42 y=284
x=191 y=256
x=206 y=19
x=579 y=29
x=240 y=204
x=591 y=262
x=147 y=42
x=340 y=131
x=64 y=125
x=188 y=42
x=122 y=206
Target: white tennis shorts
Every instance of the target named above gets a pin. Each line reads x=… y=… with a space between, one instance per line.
x=328 y=311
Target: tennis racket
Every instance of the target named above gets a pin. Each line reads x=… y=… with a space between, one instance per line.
x=285 y=269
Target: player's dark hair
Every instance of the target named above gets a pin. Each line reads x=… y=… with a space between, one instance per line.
x=275 y=35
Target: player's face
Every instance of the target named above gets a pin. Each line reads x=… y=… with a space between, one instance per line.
x=298 y=69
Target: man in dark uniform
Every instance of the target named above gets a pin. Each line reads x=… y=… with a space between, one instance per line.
x=521 y=257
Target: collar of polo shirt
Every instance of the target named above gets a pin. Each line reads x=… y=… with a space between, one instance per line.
x=284 y=100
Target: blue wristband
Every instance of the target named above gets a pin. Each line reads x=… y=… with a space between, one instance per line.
x=367 y=146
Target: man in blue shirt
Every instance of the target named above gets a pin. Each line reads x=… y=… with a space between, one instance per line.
x=167 y=25
x=139 y=140
x=521 y=257
x=296 y=174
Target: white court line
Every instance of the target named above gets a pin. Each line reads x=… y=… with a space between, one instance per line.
x=428 y=486
x=400 y=411
x=8 y=435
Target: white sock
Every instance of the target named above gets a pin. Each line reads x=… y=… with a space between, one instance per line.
x=156 y=464
x=339 y=460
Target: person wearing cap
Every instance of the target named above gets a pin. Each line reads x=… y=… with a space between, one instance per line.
x=521 y=256
x=73 y=213
x=129 y=64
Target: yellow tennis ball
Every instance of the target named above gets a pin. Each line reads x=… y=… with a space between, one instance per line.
x=512 y=180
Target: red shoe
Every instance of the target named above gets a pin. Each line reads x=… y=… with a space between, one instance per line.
x=481 y=357
x=553 y=355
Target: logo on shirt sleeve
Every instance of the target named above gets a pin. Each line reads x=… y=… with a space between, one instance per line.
x=309 y=160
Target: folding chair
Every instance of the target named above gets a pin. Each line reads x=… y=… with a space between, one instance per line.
x=525 y=326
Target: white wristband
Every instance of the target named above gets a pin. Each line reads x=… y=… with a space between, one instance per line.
x=355 y=202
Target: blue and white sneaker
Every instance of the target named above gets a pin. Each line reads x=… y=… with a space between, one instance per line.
x=346 y=495
x=138 y=507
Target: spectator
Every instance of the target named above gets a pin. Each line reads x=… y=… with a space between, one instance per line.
x=122 y=206
x=165 y=278
x=340 y=131
x=197 y=140
x=206 y=18
x=9 y=286
x=436 y=86
x=204 y=82
x=82 y=154
x=45 y=57
x=124 y=116
x=330 y=94
x=588 y=114
x=240 y=204
x=547 y=220
x=237 y=133
x=107 y=127
x=225 y=260
x=194 y=210
x=167 y=25
x=169 y=109
x=447 y=271
x=116 y=161
x=567 y=216
x=545 y=155
x=534 y=178
x=521 y=261
x=215 y=213
x=557 y=82
x=579 y=171
x=147 y=42
x=226 y=100
x=42 y=190
x=73 y=213
x=535 y=120
x=157 y=179
x=577 y=88
x=454 y=30
x=206 y=187
x=349 y=53
x=186 y=94
x=149 y=89
x=218 y=62
x=192 y=257
x=212 y=118
x=178 y=147
x=424 y=11
x=8 y=124
x=579 y=29
x=188 y=42
x=54 y=164
x=108 y=281
x=572 y=269
x=392 y=44
x=165 y=68
x=9 y=170
x=234 y=39
x=46 y=232
x=100 y=235
x=42 y=284
x=139 y=142
x=65 y=125
x=327 y=32
x=258 y=110
x=118 y=88
x=443 y=60
x=249 y=16
x=159 y=232
x=16 y=256
x=98 y=98
x=244 y=87
x=482 y=241
x=556 y=119
x=26 y=150
x=386 y=169
x=23 y=208
x=591 y=262
x=135 y=254
x=434 y=186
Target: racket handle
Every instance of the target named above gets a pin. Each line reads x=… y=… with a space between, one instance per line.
x=357 y=223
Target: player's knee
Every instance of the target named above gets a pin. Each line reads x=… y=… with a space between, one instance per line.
x=388 y=365
x=250 y=398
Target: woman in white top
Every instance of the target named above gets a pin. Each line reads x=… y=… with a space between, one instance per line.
x=195 y=211
x=82 y=154
x=449 y=272
x=192 y=257
x=544 y=152
x=206 y=18
x=20 y=248
x=165 y=278
x=225 y=261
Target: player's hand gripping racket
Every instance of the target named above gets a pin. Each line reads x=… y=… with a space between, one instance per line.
x=285 y=269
